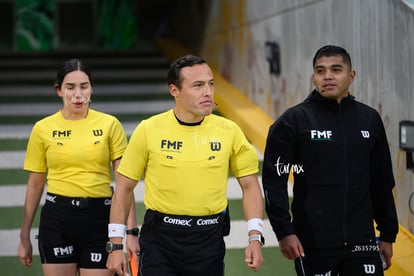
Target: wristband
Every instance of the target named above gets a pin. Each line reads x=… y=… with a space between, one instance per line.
x=255 y=224
x=116 y=230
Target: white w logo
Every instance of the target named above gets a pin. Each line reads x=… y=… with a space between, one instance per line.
x=326 y=274
x=369 y=268
x=96 y=257
x=365 y=133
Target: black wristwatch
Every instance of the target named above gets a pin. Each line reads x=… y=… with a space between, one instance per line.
x=112 y=246
x=258 y=238
x=133 y=231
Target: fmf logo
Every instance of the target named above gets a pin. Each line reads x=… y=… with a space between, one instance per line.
x=63 y=133
x=63 y=251
x=171 y=145
x=321 y=135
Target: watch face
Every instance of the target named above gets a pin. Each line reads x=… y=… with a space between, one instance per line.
x=109 y=247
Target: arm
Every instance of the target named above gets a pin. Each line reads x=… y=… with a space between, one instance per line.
x=132 y=242
x=120 y=207
x=34 y=191
x=132 y=246
x=382 y=184
x=280 y=149
x=122 y=211
x=253 y=208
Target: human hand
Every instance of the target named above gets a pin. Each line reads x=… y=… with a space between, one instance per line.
x=291 y=247
x=117 y=263
x=253 y=255
x=385 y=248
x=133 y=249
x=24 y=252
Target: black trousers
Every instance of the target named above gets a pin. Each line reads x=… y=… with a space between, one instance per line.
x=182 y=245
x=344 y=261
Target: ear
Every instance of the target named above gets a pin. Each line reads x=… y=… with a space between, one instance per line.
x=173 y=90
x=59 y=91
x=352 y=76
x=313 y=80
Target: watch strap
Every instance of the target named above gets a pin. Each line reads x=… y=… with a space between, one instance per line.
x=258 y=238
x=110 y=247
x=133 y=231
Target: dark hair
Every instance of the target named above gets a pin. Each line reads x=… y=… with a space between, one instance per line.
x=174 y=76
x=332 y=50
x=70 y=66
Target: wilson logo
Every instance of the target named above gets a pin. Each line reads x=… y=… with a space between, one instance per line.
x=97 y=132
x=324 y=274
x=369 y=268
x=96 y=257
x=215 y=146
x=365 y=133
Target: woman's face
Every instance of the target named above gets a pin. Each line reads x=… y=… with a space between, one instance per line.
x=75 y=91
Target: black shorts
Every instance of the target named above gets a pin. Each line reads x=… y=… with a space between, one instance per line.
x=74 y=230
x=182 y=245
x=349 y=260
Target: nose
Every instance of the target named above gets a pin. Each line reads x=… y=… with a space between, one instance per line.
x=78 y=92
x=209 y=90
x=328 y=74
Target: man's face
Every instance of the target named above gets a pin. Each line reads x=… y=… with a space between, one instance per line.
x=195 y=98
x=332 y=77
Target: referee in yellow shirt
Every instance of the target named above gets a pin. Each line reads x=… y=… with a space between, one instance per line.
x=186 y=155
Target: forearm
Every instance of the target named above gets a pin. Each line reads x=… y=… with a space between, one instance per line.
x=253 y=203
x=252 y=199
x=132 y=217
x=121 y=207
x=34 y=193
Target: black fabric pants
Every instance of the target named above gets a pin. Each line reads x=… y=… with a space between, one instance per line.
x=181 y=245
x=344 y=261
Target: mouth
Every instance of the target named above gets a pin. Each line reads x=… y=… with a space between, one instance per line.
x=79 y=101
x=328 y=86
x=206 y=103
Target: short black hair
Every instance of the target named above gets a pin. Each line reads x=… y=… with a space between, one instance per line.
x=174 y=76
x=332 y=50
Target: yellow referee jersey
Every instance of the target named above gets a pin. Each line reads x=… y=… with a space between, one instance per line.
x=186 y=168
x=76 y=154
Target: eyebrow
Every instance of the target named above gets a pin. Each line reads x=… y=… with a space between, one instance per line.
x=333 y=65
x=72 y=83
